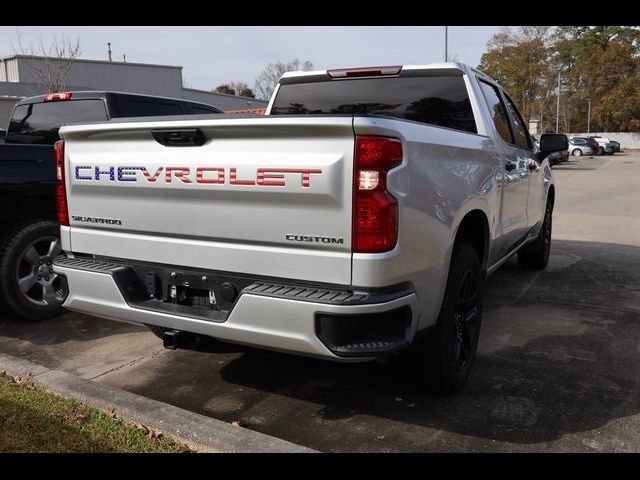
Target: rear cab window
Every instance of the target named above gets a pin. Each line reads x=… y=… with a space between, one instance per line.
x=38 y=123
x=138 y=107
x=442 y=101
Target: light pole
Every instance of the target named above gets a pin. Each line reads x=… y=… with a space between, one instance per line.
x=446 y=43
x=589 y=118
x=558 y=104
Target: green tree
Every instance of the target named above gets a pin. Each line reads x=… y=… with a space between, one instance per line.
x=242 y=89
x=600 y=64
x=235 y=88
x=521 y=62
x=225 y=88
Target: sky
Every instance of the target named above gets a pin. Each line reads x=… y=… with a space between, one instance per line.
x=214 y=55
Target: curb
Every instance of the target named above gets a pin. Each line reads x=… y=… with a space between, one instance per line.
x=205 y=434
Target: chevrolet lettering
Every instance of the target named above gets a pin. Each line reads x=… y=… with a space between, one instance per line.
x=262 y=177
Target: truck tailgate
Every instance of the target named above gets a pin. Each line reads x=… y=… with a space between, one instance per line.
x=263 y=196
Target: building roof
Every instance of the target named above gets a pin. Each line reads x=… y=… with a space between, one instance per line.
x=248 y=99
x=86 y=60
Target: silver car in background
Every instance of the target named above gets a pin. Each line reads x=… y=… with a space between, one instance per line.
x=580 y=146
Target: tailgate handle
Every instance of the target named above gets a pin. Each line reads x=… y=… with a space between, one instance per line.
x=184 y=137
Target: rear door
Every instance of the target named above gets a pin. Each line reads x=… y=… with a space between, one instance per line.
x=264 y=196
x=536 y=197
x=515 y=184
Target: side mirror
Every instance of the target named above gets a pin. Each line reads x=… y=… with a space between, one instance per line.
x=552 y=142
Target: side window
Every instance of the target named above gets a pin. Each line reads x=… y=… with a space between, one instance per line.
x=498 y=111
x=522 y=135
x=149 y=108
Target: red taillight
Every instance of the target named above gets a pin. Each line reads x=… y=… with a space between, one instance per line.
x=57 y=97
x=375 y=210
x=364 y=72
x=61 y=191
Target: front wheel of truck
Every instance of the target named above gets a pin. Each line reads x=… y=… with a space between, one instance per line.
x=446 y=356
x=535 y=255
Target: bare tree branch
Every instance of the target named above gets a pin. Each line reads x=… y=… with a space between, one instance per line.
x=54 y=60
x=266 y=82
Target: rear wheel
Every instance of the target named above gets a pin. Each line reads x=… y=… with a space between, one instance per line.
x=446 y=356
x=600 y=151
x=576 y=152
x=28 y=286
x=535 y=256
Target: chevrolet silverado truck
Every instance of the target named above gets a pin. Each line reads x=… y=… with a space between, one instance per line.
x=28 y=229
x=356 y=220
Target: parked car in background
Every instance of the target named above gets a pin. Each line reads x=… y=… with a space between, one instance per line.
x=29 y=231
x=615 y=145
x=582 y=146
x=604 y=146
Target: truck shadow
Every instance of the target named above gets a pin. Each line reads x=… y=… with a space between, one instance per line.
x=558 y=357
x=559 y=354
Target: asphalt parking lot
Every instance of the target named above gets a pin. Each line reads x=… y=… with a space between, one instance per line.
x=558 y=366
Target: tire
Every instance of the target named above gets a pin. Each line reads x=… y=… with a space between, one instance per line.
x=28 y=286
x=610 y=153
x=535 y=255
x=600 y=151
x=576 y=152
x=446 y=356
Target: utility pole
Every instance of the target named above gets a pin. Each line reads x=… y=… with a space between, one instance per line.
x=558 y=104
x=589 y=118
x=109 y=45
x=124 y=58
x=446 y=43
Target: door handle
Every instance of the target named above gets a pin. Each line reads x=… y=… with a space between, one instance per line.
x=509 y=166
x=186 y=137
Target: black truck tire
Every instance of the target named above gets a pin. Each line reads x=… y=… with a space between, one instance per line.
x=28 y=286
x=535 y=255
x=446 y=355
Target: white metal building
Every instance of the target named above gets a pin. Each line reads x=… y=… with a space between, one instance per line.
x=19 y=79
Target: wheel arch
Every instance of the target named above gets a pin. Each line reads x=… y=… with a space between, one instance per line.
x=551 y=195
x=473 y=230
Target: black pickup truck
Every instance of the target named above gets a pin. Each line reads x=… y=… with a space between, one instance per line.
x=28 y=226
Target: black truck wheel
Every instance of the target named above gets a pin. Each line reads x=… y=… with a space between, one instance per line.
x=28 y=286
x=535 y=255
x=446 y=356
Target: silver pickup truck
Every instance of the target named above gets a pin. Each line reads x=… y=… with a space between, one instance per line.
x=356 y=220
